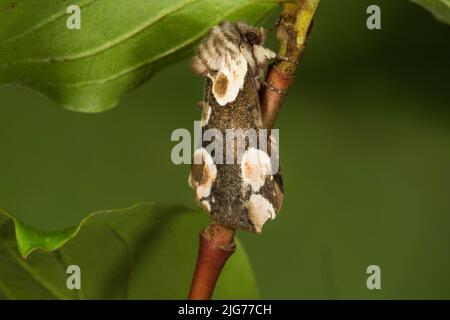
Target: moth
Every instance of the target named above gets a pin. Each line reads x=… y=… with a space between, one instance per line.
x=245 y=192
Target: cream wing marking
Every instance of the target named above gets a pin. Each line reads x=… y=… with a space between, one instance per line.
x=229 y=80
x=206 y=113
x=206 y=205
x=259 y=211
x=203 y=181
x=255 y=167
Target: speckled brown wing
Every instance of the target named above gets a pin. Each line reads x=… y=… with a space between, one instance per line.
x=226 y=191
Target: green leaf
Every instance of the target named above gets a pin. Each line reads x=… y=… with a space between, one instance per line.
x=439 y=8
x=143 y=252
x=120 y=44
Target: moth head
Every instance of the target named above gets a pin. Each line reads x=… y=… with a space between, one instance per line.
x=253 y=49
x=251 y=35
x=226 y=52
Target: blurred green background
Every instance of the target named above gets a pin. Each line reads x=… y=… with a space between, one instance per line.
x=365 y=147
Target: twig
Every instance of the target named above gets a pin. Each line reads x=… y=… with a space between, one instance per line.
x=293 y=29
x=217 y=241
x=216 y=246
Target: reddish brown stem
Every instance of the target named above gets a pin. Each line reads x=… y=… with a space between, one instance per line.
x=216 y=246
x=293 y=30
x=272 y=100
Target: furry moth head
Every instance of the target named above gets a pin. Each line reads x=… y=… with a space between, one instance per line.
x=232 y=48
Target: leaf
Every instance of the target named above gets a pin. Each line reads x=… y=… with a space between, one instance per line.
x=439 y=8
x=121 y=43
x=143 y=252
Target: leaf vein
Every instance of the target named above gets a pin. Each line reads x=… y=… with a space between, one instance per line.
x=43 y=23
x=144 y=63
x=112 y=43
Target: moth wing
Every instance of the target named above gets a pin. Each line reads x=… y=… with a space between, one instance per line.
x=229 y=79
x=263 y=177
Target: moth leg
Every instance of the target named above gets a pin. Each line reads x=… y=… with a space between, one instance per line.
x=271 y=87
x=283 y=58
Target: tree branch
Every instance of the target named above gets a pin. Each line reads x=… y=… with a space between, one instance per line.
x=216 y=246
x=293 y=29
